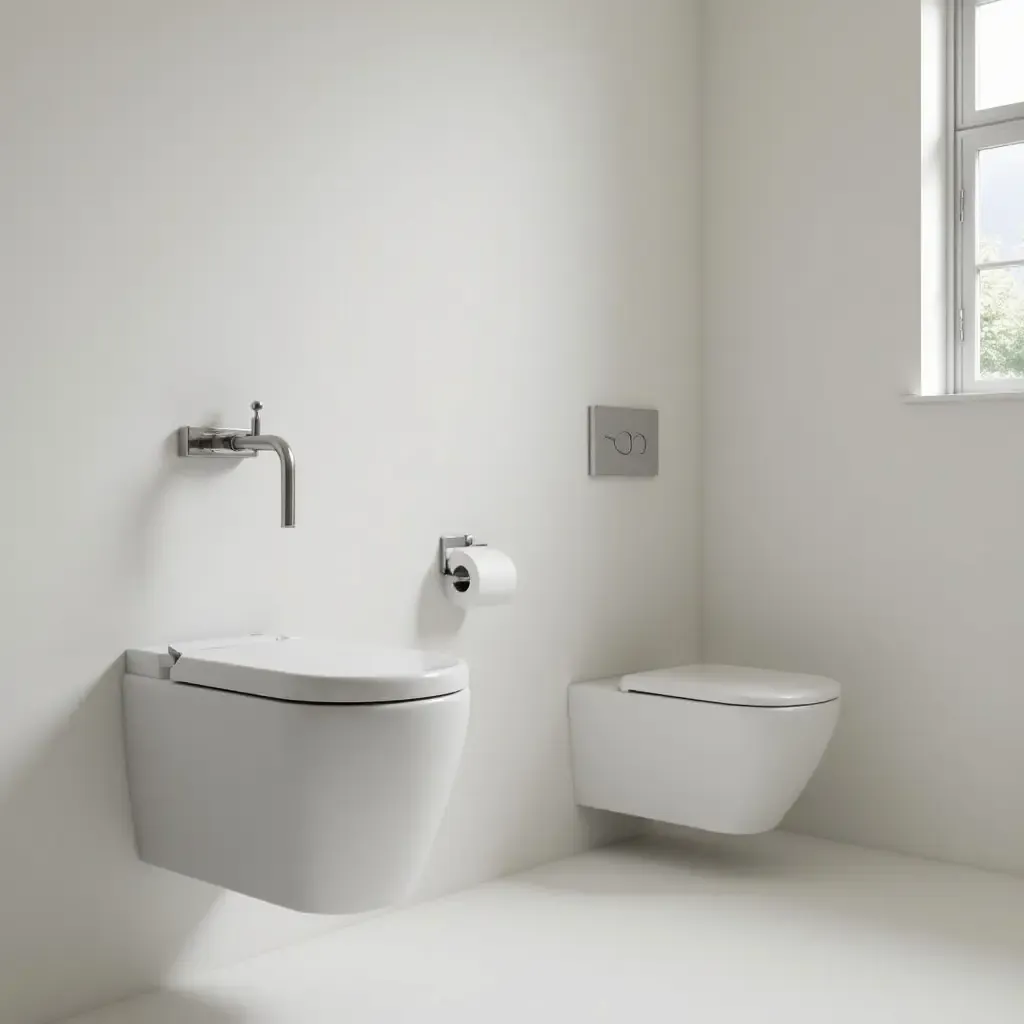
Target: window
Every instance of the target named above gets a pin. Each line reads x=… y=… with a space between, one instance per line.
x=989 y=327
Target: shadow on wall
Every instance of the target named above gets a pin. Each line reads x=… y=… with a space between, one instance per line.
x=524 y=772
x=437 y=619
x=165 y=1008
x=67 y=858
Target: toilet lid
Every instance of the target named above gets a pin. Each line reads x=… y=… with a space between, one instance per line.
x=317 y=671
x=728 y=684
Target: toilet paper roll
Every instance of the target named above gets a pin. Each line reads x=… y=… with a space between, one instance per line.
x=479 y=576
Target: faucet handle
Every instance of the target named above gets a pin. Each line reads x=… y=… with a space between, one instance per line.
x=256 y=427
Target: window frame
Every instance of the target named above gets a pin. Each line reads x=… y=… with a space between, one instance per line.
x=974 y=131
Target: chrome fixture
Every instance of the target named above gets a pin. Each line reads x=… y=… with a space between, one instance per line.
x=447 y=543
x=220 y=443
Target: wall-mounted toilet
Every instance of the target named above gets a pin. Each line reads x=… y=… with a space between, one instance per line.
x=303 y=773
x=711 y=747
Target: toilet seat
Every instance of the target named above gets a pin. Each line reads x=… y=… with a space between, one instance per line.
x=315 y=671
x=739 y=687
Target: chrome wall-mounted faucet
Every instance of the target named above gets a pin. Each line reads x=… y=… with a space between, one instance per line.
x=220 y=443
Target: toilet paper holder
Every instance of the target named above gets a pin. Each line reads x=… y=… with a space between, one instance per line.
x=445 y=544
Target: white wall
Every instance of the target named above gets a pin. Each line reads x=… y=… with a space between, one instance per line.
x=848 y=532
x=426 y=236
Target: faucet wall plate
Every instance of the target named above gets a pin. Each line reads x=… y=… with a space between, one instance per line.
x=210 y=443
x=223 y=443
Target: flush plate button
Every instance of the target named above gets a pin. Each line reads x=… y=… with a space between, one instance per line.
x=623 y=442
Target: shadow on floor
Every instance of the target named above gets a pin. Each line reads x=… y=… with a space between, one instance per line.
x=802 y=880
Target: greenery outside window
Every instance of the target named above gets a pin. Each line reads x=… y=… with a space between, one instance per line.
x=988 y=331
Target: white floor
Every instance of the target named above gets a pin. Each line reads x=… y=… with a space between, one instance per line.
x=777 y=928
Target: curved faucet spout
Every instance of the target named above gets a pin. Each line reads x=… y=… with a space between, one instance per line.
x=270 y=443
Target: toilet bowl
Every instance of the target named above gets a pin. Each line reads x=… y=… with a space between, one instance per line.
x=712 y=747
x=303 y=773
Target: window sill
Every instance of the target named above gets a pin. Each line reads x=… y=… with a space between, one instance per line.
x=966 y=398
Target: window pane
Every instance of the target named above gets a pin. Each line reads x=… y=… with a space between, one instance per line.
x=1001 y=301
x=1001 y=203
x=1000 y=45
